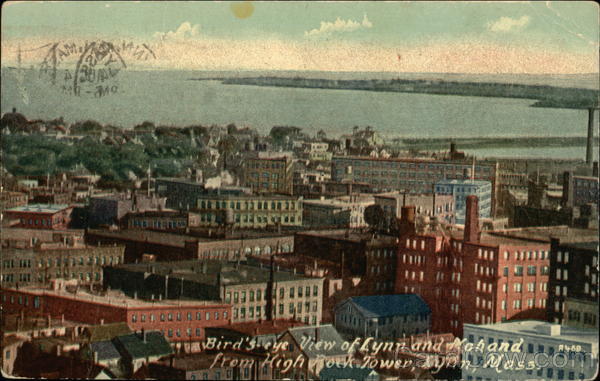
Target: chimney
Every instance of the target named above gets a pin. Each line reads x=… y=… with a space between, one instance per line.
x=101 y=321
x=589 y=152
x=472 y=219
x=316 y=334
x=406 y=224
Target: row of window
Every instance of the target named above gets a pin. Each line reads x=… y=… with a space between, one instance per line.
x=80 y=261
x=392 y=165
x=158 y=224
x=248 y=205
x=246 y=217
x=10 y=278
x=527 y=255
x=178 y=316
x=531 y=270
x=259 y=294
x=41 y=222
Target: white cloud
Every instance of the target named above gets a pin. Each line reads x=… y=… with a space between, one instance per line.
x=185 y=31
x=340 y=25
x=506 y=24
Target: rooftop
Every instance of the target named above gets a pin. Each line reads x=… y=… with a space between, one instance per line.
x=545 y=233
x=463 y=182
x=541 y=329
x=325 y=333
x=154 y=344
x=39 y=208
x=114 y=298
x=391 y=305
x=352 y=236
x=591 y=245
x=226 y=273
x=179 y=240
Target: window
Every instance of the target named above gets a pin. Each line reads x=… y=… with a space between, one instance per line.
x=519 y=270
x=207 y=316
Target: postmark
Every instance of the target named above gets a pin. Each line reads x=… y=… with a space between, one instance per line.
x=90 y=69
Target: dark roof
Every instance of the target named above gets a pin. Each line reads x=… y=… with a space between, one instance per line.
x=326 y=333
x=106 y=350
x=107 y=331
x=341 y=372
x=390 y=305
x=229 y=273
x=593 y=245
x=136 y=347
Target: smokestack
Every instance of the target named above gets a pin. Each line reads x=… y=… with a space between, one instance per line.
x=595 y=169
x=589 y=152
x=472 y=219
x=406 y=224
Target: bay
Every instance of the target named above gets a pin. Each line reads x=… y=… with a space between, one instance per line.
x=171 y=98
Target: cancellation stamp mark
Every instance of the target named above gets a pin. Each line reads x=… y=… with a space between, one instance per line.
x=90 y=69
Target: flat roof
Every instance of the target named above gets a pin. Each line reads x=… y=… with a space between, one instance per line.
x=179 y=240
x=533 y=328
x=115 y=299
x=351 y=236
x=564 y=233
x=463 y=182
x=227 y=273
x=39 y=208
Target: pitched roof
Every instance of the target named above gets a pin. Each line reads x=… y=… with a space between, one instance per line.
x=305 y=336
x=136 y=347
x=107 y=331
x=390 y=305
x=106 y=350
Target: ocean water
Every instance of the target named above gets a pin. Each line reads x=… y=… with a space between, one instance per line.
x=171 y=98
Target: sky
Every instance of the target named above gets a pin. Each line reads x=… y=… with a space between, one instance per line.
x=471 y=37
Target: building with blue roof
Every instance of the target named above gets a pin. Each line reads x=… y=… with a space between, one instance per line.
x=383 y=316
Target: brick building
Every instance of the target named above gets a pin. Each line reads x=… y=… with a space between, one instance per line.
x=426 y=204
x=9 y=200
x=167 y=246
x=249 y=211
x=269 y=174
x=179 y=321
x=245 y=287
x=415 y=175
x=161 y=220
x=573 y=278
x=41 y=263
x=472 y=277
x=111 y=208
x=353 y=254
x=41 y=216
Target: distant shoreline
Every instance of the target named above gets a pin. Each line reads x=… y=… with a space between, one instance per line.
x=544 y=95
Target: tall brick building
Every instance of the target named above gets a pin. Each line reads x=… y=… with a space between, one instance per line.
x=472 y=277
x=269 y=174
x=573 y=284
